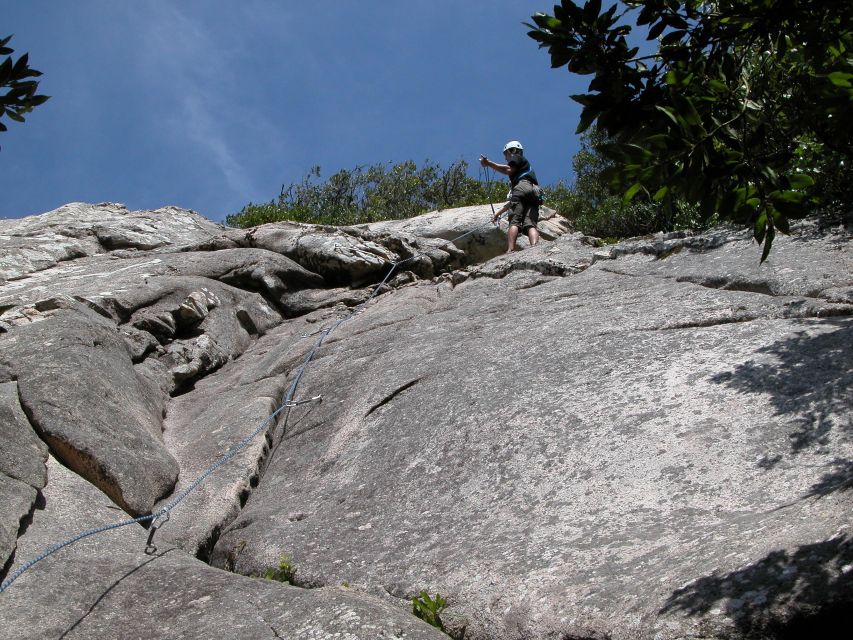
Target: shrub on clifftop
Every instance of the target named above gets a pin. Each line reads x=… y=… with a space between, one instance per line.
x=371 y=193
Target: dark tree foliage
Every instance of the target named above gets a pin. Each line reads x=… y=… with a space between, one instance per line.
x=744 y=107
x=596 y=208
x=20 y=96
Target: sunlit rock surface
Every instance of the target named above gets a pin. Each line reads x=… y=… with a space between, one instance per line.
x=643 y=440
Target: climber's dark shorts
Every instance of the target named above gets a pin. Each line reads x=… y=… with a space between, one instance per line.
x=524 y=200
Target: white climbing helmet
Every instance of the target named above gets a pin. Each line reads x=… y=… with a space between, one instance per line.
x=513 y=144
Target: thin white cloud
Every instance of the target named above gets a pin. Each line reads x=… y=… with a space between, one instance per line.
x=187 y=64
x=204 y=131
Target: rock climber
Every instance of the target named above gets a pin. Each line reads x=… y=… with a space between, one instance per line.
x=524 y=197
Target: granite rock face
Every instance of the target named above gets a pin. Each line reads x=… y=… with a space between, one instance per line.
x=644 y=440
x=108 y=587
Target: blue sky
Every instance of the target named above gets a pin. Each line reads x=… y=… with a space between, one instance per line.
x=211 y=104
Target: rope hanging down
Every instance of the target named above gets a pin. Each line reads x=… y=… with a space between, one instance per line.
x=161 y=516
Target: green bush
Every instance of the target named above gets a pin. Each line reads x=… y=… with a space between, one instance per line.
x=285 y=572
x=371 y=193
x=429 y=609
x=595 y=208
x=404 y=190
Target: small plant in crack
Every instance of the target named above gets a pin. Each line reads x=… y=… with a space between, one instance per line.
x=285 y=572
x=429 y=609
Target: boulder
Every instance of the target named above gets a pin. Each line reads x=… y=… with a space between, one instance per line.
x=336 y=256
x=481 y=240
x=78 y=387
x=357 y=255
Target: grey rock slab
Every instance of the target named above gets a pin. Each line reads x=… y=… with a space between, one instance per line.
x=647 y=440
x=120 y=285
x=310 y=300
x=809 y=263
x=22 y=256
x=191 y=347
x=568 y=254
x=18 y=500
x=219 y=419
x=22 y=468
x=604 y=454
x=231 y=416
x=82 y=394
x=78 y=229
x=363 y=253
x=105 y=586
x=22 y=453
x=480 y=239
x=337 y=256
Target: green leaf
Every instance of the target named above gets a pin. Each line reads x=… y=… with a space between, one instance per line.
x=673 y=37
x=21 y=65
x=662 y=140
x=552 y=23
x=768 y=241
x=660 y=194
x=782 y=45
x=591 y=10
x=631 y=192
x=786 y=196
x=588 y=116
x=586 y=99
x=637 y=151
x=656 y=30
x=780 y=221
x=841 y=79
x=801 y=181
x=691 y=116
x=759 y=228
x=668 y=112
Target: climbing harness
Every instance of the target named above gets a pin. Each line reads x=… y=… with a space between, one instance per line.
x=161 y=516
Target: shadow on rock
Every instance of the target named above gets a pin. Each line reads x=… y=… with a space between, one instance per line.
x=808 y=377
x=97 y=602
x=781 y=595
x=841 y=479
